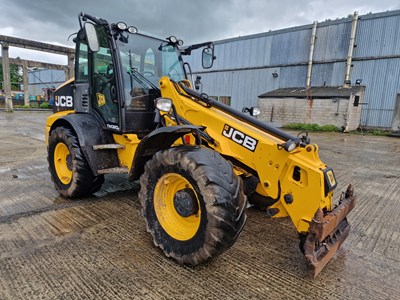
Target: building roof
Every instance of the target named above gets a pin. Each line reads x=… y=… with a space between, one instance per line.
x=328 y=22
x=320 y=92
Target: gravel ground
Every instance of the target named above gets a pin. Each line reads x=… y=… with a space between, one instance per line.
x=98 y=248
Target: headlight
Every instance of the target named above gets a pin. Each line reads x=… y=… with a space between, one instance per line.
x=290 y=145
x=164 y=104
x=173 y=39
x=132 y=29
x=122 y=26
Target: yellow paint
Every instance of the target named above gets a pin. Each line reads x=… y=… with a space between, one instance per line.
x=274 y=166
x=176 y=226
x=130 y=141
x=51 y=119
x=61 y=156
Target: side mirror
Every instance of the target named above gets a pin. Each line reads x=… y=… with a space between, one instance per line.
x=91 y=37
x=253 y=111
x=207 y=57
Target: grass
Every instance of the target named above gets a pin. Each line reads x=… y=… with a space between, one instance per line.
x=332 y=128
x=45 y=105
x=312 y=127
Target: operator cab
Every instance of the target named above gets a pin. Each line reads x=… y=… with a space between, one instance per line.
x=124 y=74
x=117 y=74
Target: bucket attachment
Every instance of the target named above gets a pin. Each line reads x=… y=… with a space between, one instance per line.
x=327 y=232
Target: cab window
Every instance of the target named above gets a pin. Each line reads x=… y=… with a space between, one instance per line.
x=149 y=63
x=104 y=95
x=82 y=63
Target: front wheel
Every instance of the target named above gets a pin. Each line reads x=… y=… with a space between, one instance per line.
x=193 y=203
x=68 y=167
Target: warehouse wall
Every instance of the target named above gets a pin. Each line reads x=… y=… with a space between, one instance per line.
x=244 y=66
x=335 y=111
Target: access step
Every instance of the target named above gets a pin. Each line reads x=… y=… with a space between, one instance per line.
x=113 y=170
x=108 y=146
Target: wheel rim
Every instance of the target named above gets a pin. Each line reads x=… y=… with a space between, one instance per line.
x=175 y=219
x=62 y=163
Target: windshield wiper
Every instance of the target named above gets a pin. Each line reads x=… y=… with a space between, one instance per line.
x=142 y=79
x=139 y=77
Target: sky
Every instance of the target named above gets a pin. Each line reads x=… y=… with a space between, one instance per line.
x=193 y=21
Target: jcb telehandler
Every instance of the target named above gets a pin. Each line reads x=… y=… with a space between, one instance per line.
x=131 y=109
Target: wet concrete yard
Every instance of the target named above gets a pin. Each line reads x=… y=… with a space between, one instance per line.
x=98 y=248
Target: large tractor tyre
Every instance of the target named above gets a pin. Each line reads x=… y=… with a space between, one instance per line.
x=255 y=199
x=68 y=167
x=260 y=202
x=193 y=203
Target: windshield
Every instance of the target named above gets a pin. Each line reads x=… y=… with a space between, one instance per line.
x=144 y=60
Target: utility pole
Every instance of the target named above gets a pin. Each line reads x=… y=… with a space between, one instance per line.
x=347 y=81
x=70 y=73
x=6 y=77
x=25 y=81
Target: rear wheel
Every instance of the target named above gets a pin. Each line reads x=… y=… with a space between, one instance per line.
x=261 y=202
x=255 y=199
x=193 y=203
x=68 y=167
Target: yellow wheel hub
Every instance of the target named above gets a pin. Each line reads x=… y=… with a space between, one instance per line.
x=177 y=206
x=62 y=163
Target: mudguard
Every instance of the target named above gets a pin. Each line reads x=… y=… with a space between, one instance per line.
x=159 y=139
x=90 y=132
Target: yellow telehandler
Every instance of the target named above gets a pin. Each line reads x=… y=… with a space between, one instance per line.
x=131 y=109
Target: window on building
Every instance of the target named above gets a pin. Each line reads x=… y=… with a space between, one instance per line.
x=225 y=100
x=356 y=100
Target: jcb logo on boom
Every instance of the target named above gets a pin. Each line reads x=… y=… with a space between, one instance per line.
x=239 y=137
x=64 y=101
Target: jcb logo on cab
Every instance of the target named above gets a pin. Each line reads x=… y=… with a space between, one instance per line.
x=64 y=101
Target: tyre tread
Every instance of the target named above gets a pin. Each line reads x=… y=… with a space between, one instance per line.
x=225 y=208
x=84 y=183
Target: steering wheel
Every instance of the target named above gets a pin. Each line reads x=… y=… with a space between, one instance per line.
x=102 y=80
x=148 y=74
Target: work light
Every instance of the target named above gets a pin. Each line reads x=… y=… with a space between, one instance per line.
x=164 y=104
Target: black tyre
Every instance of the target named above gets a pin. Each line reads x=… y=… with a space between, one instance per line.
x=261 y=202
x=68 y=167
x=255 y=199
x=193 y=203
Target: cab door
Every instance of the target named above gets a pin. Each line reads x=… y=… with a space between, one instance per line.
x=81 y=85
x=104 y=93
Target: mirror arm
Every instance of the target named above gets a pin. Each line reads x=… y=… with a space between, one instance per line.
x=188 y=50
x=86 y=17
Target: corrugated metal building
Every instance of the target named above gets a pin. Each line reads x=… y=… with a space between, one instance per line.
x=251 y=65
x=42 y=79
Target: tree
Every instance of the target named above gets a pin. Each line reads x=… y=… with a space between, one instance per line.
x=15 y=76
